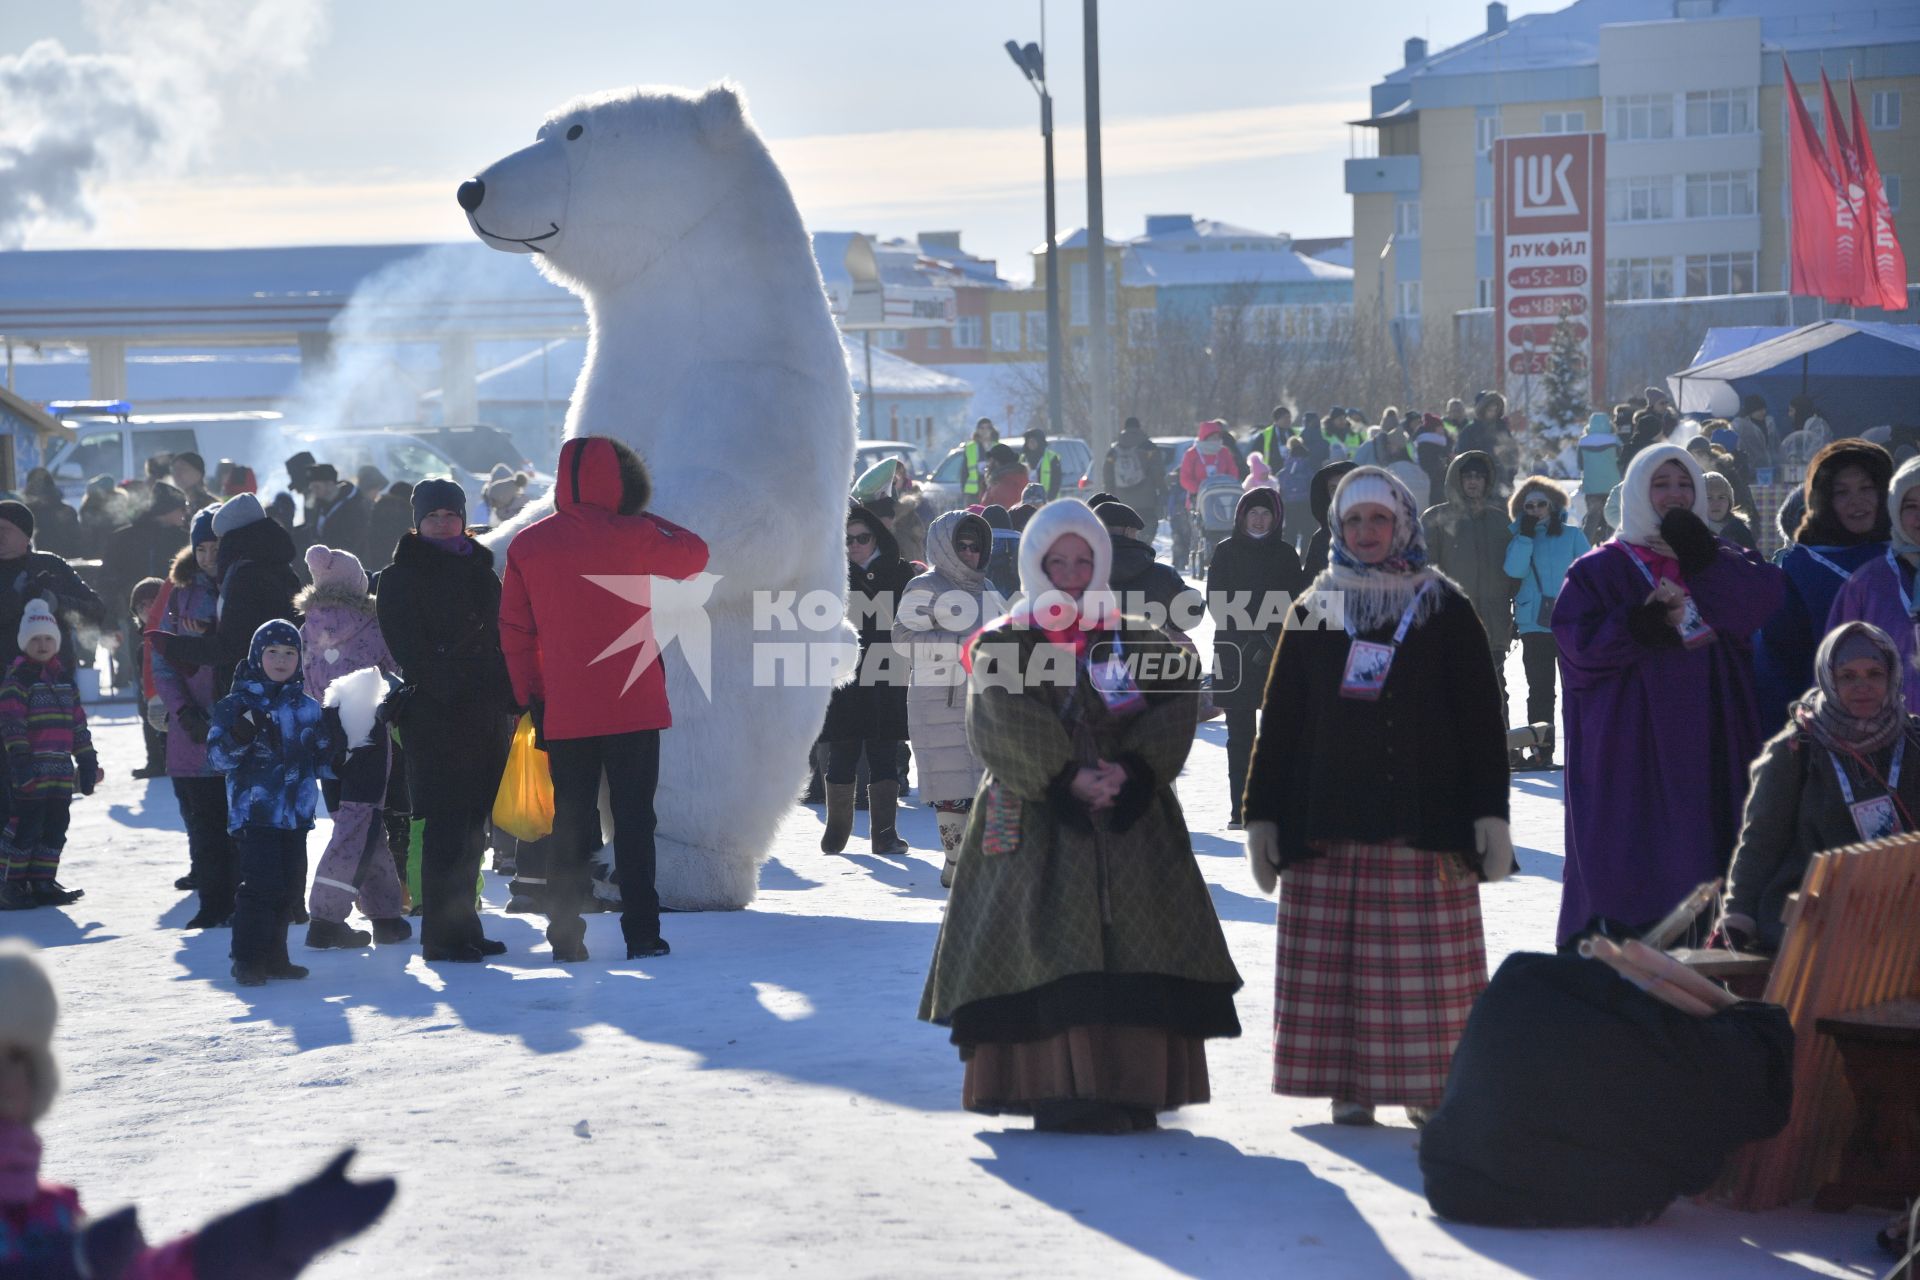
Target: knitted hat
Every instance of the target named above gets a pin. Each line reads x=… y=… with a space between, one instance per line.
x=331 y=566
x=1367 y=485
x=501 y=471
x=437 y=494
x=1035 y=494
x=166 y=499
x=1116 y=514
x=38 y=620
x=28 y=1010
x=274 y=631
x=17 y=514
x=237 y=513
x=203 y=526
x=1003 y=461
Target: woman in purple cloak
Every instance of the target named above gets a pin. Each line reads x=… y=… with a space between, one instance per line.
x=1656 y=661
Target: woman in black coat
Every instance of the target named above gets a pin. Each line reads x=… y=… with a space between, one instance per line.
x=1320 y=497
x=869 y=715
x=439 y=605
x=1251 y=585
x=257 y=584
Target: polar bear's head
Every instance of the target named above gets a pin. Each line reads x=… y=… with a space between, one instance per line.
x=613 y=180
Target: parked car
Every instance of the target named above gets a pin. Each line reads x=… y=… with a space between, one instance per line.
x=399 y=457
x=479 y=448
x=110 y=440
x=868 y=452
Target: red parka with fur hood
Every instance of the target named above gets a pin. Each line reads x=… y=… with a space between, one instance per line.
x=576 y=595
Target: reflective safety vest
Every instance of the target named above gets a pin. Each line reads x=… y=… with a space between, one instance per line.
x=1265 y=439
x=1044 y=474
x=970 y=483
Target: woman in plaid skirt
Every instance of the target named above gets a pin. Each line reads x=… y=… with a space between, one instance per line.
x=1377 y=799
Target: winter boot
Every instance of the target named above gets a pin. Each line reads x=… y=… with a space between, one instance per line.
x=460 y=953
x=1355 y=1113
x=249 y=974
x=658 y=947
x=51 y=893
x=839 y=817
x=186 y=883
x=882 y=797
x=392 y=930
x=953 y=833
x=278 y=965
x=323 y=934
x=208 y=918
x=16 y=896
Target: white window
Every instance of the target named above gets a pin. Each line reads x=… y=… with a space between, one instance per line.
x=1720 y=195
x=1639 y=278
x=1409 y=297
x=1891 y=181
x=1563 y=122
x=1714 y=113
x=1077 y=277
x=1483 y=215
x=1640 y=117
x=1006 y=331
x=1886 y=109
x=1639 y=199
x=1406 y=219
x=1711 y=274
x=1141 y=327
x=1485 y=130
x=1036 y=331
x=1483 y=291
x=966 y=333
x=891 y=339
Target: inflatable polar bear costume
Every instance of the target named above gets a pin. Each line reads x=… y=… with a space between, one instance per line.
x=711 y=351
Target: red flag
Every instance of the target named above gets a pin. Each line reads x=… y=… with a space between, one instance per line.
x=1813 y=272
x=1851 y=258
x=1887 y=262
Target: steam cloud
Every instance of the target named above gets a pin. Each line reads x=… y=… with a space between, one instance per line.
x=149 y=103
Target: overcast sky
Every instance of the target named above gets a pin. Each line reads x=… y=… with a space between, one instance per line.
x=888 y=117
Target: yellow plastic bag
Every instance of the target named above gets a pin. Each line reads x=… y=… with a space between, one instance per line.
x=523 y=807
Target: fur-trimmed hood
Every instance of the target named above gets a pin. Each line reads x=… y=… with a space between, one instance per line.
x=334 y=595
x=1552 y=492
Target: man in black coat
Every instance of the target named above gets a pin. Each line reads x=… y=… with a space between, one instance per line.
x=144 y=549
x=337 y=515
x=26 y=574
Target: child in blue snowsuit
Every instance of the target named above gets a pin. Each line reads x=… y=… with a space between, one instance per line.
x=274 y=743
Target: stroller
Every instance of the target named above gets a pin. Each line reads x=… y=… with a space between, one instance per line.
x=1212 y=520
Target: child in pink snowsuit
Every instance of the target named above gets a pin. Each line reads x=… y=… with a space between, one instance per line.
x=341 y=647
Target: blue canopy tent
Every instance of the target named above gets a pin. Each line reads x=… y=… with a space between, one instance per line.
x=1861 y=374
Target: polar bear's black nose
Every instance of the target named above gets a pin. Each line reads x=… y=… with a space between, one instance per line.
x=471 y=193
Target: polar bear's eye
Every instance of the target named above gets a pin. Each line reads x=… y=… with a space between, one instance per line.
x=574 y=133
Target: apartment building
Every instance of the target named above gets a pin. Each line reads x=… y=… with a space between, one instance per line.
x=1691 y=98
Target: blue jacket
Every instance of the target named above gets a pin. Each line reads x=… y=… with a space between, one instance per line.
x=1783 y=650
x=270 y=780
x=1551 y=555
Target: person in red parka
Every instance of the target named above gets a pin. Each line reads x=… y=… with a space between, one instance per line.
x=598 y=704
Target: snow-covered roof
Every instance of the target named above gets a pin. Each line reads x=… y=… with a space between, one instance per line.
x=893 y=376
x=1180 y=249
x=1570 y=37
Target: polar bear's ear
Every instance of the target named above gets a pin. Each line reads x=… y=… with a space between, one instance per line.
x=722 y=116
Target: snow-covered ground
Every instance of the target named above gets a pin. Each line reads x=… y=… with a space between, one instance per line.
x=760 y=1102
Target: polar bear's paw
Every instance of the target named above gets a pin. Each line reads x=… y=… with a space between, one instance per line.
x=690 y=878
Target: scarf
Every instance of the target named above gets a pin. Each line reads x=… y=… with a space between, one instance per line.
x=1373 y=596
x=19 y=1165
x=458 y=545
x=1639 y=525
x=1820 y=713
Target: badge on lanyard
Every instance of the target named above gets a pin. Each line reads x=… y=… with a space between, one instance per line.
x=1369 y=662
x=1367 y=667
x=1115 y=684
x=1877 y=817
x=1694 y=630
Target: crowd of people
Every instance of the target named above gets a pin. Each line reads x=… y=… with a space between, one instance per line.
x=1723 y=716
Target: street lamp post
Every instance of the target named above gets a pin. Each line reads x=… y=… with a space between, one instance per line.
x=1032 y=64
x=1100 y=362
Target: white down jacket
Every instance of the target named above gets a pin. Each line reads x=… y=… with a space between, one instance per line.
x=949 y=595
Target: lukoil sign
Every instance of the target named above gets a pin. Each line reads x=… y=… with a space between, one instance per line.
x=1550 y=256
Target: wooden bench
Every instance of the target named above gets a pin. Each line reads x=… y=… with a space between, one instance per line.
x=1880 y=1052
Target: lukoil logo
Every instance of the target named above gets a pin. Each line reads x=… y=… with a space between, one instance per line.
x=1542 y=187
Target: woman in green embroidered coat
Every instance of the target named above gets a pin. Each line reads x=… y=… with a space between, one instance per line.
x=1080 y=967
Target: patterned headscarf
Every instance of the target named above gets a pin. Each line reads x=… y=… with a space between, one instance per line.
x=1822 y=715
x=1381 y=487
x=1371 y=596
